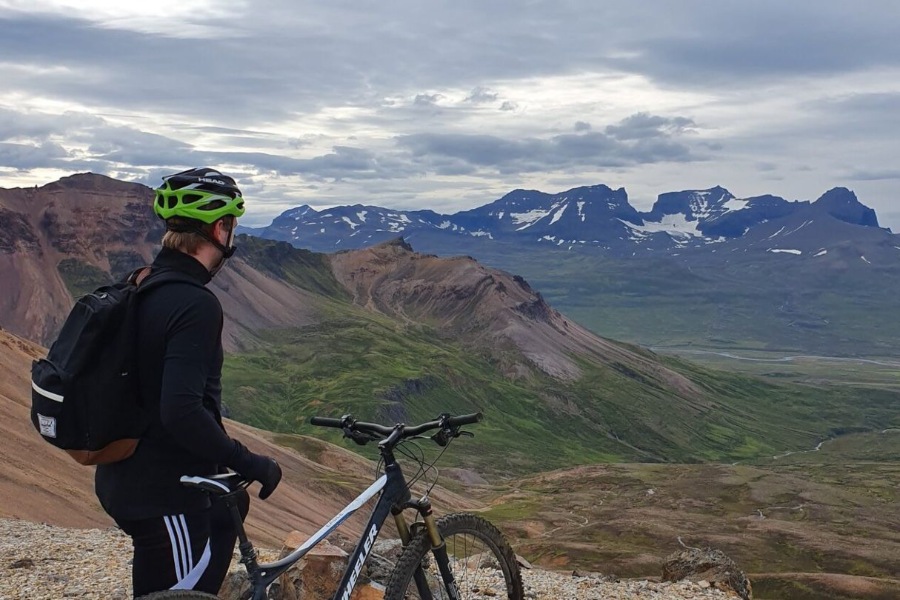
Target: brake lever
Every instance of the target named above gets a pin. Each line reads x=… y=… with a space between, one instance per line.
x=357 y=436
x=443 y=437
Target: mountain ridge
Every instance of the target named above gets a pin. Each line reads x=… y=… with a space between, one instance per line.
x=590 y=216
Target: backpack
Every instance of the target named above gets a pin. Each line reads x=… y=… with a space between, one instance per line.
x=85 y=397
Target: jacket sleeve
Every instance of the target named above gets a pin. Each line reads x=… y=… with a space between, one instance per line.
x=193 y=345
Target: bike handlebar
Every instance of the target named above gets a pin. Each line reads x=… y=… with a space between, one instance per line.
x=398 y=431
x=327 y=422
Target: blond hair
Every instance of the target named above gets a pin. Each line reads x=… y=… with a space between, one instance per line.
x=183 y=240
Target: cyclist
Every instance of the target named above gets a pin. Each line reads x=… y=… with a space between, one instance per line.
x=182 y=539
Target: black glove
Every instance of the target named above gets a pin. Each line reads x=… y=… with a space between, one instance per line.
x=257 y=467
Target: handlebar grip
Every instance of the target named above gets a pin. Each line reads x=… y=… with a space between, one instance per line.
x=466 y=419
x=327 y=422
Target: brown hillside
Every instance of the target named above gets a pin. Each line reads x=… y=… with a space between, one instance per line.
x=40 y=483
x=482 y=305
x=109 y=225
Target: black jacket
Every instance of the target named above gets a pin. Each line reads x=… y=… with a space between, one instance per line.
x=179 y=367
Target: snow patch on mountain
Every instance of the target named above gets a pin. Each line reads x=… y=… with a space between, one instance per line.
x=735 y=204
x=785 y=250
x=704 y=204
x=529 y=218
x=805 y=223
x=676 y=225
x=559 y=213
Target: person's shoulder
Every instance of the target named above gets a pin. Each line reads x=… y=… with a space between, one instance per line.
x=182 y=292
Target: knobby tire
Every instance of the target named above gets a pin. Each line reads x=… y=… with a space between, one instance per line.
x=483 y=563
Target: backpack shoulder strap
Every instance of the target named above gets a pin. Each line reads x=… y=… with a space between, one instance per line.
x=138 y=275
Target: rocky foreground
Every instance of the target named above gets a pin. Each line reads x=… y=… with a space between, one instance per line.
x=44 y=562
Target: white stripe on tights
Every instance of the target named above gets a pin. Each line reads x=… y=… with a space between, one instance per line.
x=174 y=541
x=187 y=538
x=191 y=579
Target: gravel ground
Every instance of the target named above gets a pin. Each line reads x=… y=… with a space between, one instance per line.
x=44 y=562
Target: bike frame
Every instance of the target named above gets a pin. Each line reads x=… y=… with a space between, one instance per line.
x=395 y=497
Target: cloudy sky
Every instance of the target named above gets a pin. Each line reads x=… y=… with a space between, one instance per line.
x=449 y=105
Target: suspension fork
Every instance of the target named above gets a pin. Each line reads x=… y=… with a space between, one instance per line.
x=438 y=547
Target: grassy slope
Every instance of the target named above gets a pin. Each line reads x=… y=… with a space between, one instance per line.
x=829 y=511
x=82 y=278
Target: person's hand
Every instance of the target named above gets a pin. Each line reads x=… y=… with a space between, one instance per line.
x=267 y=473
x=257 y=467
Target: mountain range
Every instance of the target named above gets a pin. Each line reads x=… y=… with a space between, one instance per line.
x=702 y=268
x=586 y=217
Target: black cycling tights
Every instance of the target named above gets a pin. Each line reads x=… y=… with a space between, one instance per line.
x=183 y=552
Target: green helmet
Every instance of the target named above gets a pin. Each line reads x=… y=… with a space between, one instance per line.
x=203 y=194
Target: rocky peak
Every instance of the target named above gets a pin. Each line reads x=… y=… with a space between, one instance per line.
x=91 y=182
x=298 y=212
x=695 y=205
x=843 y=204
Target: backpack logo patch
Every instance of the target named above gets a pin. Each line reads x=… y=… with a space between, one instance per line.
x=47 y=425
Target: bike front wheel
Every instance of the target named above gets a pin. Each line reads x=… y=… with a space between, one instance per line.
x=482 y=562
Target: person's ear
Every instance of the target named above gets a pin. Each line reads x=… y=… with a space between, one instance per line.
x=220 y=230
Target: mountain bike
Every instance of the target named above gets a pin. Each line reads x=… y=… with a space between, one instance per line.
x=459 y=556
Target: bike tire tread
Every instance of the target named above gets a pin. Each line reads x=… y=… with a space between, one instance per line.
x=453 y=524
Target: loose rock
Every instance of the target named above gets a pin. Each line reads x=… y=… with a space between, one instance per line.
x=94 y=564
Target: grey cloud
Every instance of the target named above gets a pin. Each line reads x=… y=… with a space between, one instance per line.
x=875 y=175
x=565 y=151
x=865 y=102
x=308 y=61
x=875 y=115
x=27 y=156
x=343 y=163
x=481 y=95
x=644 y=125
x=14 y=124
x=116 y=148
x=582 y=126
x=508 y=105
x=427 y=99
x=705 y=44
